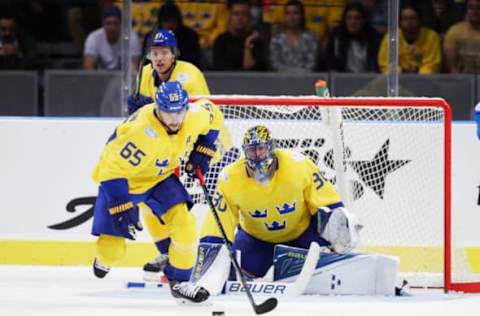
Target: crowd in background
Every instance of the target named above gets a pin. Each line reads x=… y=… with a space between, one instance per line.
x=255 y=35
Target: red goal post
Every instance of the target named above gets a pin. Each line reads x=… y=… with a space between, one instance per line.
x=390 y=158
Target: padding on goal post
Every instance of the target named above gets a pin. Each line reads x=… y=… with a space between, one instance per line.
x=390 y=160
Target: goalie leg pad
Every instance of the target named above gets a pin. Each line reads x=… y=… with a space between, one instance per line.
x=354 y=274
x=287 y=261
x=212 y=267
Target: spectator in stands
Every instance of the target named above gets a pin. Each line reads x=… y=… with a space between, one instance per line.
x=294 y=48
x=170 y=18
x=240 y=48
x=440 y=16
x=353 y=45
x=377 y=12
x=17 y=51
x=321 y=16
x=419 y=46
x=462 y=42
x=103 y=46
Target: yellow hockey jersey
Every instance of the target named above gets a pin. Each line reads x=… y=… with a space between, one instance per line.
x=187 y=74
x=277 y=211
x=142 y=151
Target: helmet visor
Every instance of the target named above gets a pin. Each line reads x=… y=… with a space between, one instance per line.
x=258 y=152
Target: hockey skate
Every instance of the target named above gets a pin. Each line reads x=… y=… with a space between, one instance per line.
x=152 y=269
x=187 y=292
x=100 y=270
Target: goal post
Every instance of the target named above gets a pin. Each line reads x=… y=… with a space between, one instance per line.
x=390 y=158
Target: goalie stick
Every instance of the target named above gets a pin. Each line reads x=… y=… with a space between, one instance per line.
x=294 y=288
x=261 y=308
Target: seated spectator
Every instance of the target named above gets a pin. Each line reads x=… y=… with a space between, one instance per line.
x=103 y=46
x=377 y=13
x=294 y=48
x=353 y=45
x=240 y=48
x=419 y=47
x=321 y=16
x=441 y=16
x=462 y=42
x=16 y=50
x=170 y=18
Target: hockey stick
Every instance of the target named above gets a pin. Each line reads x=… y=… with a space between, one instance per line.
x=270 y=303
x=283 y=288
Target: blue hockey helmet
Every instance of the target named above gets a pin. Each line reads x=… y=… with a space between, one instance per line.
x=259 y=152
x=171 y=97
x=164 y=38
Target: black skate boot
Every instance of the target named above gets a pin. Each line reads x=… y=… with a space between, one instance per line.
x=187 y=292
x=152 y=269
x=100 y=270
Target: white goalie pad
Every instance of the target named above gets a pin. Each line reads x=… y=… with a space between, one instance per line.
x=341 y=230
x=355 y=274
x=214 y=270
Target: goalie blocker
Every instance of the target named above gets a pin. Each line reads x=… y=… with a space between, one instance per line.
x=339 y=274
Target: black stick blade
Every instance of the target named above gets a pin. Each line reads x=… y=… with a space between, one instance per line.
x=266 y=306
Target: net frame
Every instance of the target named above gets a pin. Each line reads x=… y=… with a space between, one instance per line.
x=248 y=100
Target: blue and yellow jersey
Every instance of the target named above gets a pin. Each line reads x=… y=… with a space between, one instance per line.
x=187 y=74
x=277 y=211
x=141 y=150
x=194 y=83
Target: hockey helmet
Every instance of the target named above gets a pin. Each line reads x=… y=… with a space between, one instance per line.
x=171 y=97
x=164 y=38
x=259 y=152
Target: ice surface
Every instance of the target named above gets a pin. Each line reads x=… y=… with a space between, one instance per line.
x=65 y=291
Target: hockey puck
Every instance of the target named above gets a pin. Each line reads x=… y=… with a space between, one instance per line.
x=217 y=313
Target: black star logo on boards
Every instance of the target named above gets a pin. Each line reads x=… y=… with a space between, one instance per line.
x=374 y=172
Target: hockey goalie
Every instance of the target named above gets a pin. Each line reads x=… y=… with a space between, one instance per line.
x=274 y=205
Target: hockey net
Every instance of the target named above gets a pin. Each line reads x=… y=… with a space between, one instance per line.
x=389 y=159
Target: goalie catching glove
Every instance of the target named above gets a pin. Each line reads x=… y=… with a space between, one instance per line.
x=340 y=228
x=203 y=152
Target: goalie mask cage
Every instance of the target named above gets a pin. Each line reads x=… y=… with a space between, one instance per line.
x=389 y=158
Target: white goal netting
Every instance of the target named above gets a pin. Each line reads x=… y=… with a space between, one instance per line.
x=389 y=158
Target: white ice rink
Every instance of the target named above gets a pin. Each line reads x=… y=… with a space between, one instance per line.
x=65 y=291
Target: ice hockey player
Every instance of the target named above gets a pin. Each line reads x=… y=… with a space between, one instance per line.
x=165 y=67
x=276 y=200
x=136 y=169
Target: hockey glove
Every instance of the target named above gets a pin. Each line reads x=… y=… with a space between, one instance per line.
x=136 y=102
x=125 y=219
x=339 y=227
x=203 y=151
